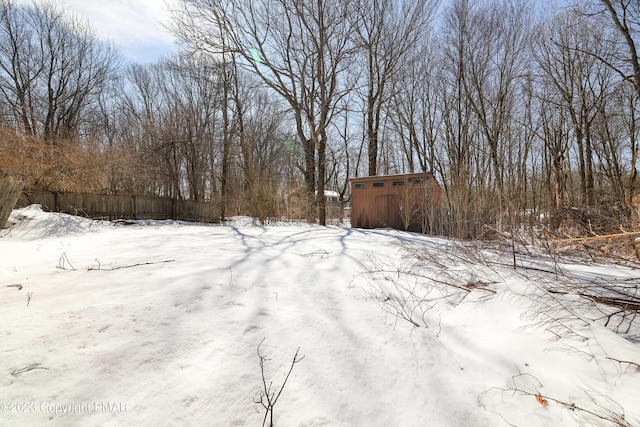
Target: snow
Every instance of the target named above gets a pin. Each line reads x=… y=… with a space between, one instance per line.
x=158 y=323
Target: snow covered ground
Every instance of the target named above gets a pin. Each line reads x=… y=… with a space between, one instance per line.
x=158 y=323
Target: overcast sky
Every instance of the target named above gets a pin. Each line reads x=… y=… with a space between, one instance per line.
x=133 y=25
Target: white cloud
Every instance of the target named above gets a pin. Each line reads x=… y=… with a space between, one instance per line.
x=123 y=20
x=135 y=26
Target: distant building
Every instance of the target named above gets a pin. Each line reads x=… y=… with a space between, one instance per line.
x=404 y=202
x=331 y=196
x=336 y=209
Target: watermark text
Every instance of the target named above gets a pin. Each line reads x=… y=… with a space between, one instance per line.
x=64 y=408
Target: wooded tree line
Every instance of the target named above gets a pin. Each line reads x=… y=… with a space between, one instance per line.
x=521 y=112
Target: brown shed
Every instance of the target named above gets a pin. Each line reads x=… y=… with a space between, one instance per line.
x=404 y=202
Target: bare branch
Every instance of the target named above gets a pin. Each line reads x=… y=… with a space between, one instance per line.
x=266 y=397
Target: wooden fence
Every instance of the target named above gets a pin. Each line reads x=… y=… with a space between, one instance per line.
x=107 y=207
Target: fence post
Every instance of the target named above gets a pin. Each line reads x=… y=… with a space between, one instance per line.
x=10 y=189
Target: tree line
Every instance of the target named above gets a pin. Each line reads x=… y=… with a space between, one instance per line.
x=522 y=112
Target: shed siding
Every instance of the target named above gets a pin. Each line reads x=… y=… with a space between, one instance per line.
x=378 y=201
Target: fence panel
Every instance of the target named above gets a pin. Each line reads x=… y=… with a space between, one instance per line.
x=152 y=208
x=97 y=206
x=121 y=207
x=189 y=210
x=46 y=199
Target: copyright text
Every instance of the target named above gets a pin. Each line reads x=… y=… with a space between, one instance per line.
x=63 y=408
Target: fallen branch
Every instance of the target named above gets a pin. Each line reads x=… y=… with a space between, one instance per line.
x=616 y=419
x=587 y=239
x=320 y=252
x=603 y=414
x=625 y=304
x=622 y=247
x=129 y=266
x=637 y=365
x=28 y=368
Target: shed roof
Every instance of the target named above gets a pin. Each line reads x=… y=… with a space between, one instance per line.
x=393 y=177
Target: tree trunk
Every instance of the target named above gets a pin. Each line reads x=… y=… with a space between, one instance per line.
x=10 y=189
x=322 y=168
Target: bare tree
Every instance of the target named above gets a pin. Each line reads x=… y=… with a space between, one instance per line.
x=51 y=67
x=301 y=50
x=554 y=133
x=387 y=32
x=625 y=17
x=496 y=58
x=459 y=135
x=415 y=108
x=568 y=57
x=345 y=155
x=262 y=150
x=177 y=105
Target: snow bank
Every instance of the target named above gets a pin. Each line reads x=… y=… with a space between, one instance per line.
x=31 y=223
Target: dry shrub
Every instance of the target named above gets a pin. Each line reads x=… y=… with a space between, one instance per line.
x=61 y=166
x=296 y=202
x=600 y=219
x=264 y=203
x=608 y=213
x=71 y=166
x=124 y=170
x=260 y=198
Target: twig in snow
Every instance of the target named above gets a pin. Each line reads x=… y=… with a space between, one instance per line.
x=29 y=295
x=616 y=418
x=28 y=368
x=637 y=365
x=425 y=279
x=130 y=266
x=63 y=261
x=320 y=252
x=268 y=398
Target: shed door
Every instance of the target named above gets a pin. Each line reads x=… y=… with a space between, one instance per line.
x=394 y=219
x=380 y=216
x=387 y=214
